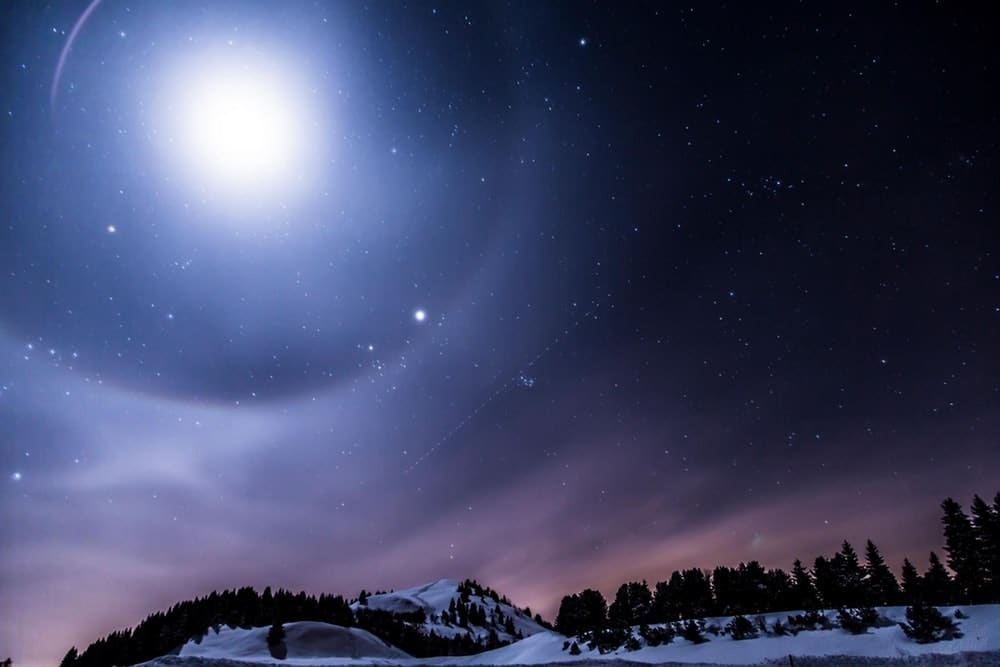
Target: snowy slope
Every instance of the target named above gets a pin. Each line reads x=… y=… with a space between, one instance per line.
x=303 y=640
x=888 y=646
x=981 y=629
x=434 y=598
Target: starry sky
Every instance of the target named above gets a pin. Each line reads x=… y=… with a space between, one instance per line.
x=552 y=295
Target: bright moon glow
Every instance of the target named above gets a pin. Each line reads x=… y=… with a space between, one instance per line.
x=236 y=125
x=239 y=128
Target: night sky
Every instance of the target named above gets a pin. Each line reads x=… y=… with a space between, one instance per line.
x=327 y=296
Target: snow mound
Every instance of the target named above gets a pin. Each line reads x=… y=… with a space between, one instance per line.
x=303 y=640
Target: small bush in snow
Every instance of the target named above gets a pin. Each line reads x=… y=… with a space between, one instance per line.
x=960 y=614
x=857 y=621
x=606 y=640
x=657 y=636
x=808 y=621
x=574 y=649
x=779 y=629
x=276 y=641
x=741 y=628
x=692 y=633
x=632 y=643
x=925 y=625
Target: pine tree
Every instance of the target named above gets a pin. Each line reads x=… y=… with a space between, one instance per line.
x=960 y=543
x=695 y=595
x=912 y=583
x=986 y=524
x=69 y=659
x=826 y=582
x=850 y=574
x=665 y=599
x=925 y=624
x=581 y=613
x=882 y=587
x=938 y=587
x=632 y=604
x=595 y=609
x=740 y=627
x=276 y=641
x=803 y=591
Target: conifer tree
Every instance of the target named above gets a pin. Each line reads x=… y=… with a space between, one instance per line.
x=912 y=583
x=960 y=543
x=938 y=588
x=632 y=604
x=69 y=659
x=665 y=599
x=986 y=523
x=826 y=582
x=850 y=574
x=803 y=591
x=882 y=587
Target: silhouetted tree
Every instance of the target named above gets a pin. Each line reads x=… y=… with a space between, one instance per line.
x=694 y=594
x=882 y=587
x=986 y=525
x=582 y=613
x=938 y=588
x=276 y=641
x=912 y=583
x=632 y=606
x=804 y=594
x=826 y=582
x=963 y=556
x=68 y=660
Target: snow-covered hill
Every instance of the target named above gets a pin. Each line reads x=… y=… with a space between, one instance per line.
x=439 y=600
x=318 y=644
x=302 y=640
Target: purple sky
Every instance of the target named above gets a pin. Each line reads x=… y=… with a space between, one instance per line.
x=701 y=286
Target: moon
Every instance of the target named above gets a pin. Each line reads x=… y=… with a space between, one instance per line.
x=237 y=126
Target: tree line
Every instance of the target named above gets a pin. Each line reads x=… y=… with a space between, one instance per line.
x=841 y=581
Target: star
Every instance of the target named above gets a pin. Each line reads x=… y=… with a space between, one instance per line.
x=420 y=315
x=16 y=477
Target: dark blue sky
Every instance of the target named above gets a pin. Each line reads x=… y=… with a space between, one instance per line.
x=701 y=285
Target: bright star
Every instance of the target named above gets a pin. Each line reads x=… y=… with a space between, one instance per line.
x=419 y=315
x=16 y=477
